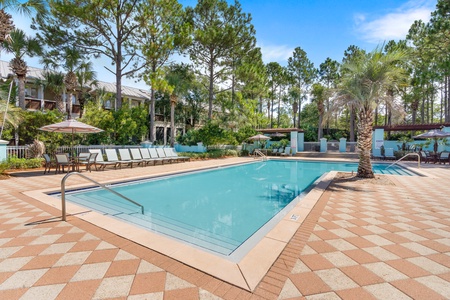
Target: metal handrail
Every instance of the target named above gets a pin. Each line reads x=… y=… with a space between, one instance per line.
x=258 y=152
x=63 y=193
x=412 y=153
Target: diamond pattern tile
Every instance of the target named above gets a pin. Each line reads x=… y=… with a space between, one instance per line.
x=360 y=241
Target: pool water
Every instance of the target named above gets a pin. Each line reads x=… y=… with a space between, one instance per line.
x=217 y=209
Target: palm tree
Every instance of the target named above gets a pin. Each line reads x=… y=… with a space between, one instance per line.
x=54 y=81
x=365 y=81
x=86 y=76
x=72 y=63
x=319 y=95
x=22 y=7
x=21 y=45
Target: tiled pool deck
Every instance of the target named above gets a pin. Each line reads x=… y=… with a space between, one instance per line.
x=360 y=241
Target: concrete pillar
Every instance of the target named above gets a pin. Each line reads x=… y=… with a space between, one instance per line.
x=300 y=141
x=323 y=145
x=294 y=142
x=342 y=145
x=3 y=144
x=378 y=138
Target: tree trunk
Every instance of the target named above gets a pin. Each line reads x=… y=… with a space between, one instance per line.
x=173 y=101
x=365 y=123
x=152 y=115
x=21 y=91
x=352 y=124
x=211 y=88
x=69 y=105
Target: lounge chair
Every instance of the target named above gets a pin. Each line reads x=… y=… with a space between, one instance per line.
x=425 y=156
x=389 y=153
x=136 y=155
x=376 y=154
x=170 y=152
x=88 y=162
x=444 y=157
x=125 y=156
x=111 y=154
x=154 y=155
x=48 y=163
x=274 y=151
x=287 y=152
x=146 y=156
x=62 y=161
x=161 y=154
x=99 y=161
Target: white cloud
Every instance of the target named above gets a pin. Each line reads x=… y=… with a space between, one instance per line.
x=277 y=53
x=393 y=25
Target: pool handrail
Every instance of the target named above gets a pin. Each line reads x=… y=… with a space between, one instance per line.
x=258 y=152
x=407 y=154
x=63 y=192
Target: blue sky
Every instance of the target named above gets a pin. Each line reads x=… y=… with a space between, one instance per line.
x=323 y=28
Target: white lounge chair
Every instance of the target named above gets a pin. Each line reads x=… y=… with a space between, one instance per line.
x=146 y=155
x=136 y=155
x=111 y=154
x=170 y=152
x=125 y=156
x=88 y=162
x=99 y=161
x=155 y=154
x=287 y=152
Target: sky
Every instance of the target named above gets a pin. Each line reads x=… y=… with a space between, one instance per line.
x=322 y=28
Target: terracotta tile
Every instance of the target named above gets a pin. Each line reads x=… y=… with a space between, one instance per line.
x=102 y=256
x=90 y=245
x=415 y=289
x=390 y=227
x=12 y=233
x=360 y=242
x=359 y=231
x=321 y=246
x=439 y=247
x=316 y=262
x=79 y=290
x=359 y=222
x=355 y=294
x=29 y=250
x=326 y=235
x=123 y=267
x=329 y=225
x=148 y=283
x=232 y=293
x=309 y=283
x=441 y=259
x=222 y=289
x=361 y=275
x=59 y=230
x=12 y=294
x=42 y=261
x=4 y=276
x=361 y=256
x=427 y=234
x=401 y=251
x=58 y=275
x=19 y=241
x=445 y=276
x=70 y=237
x=408 y=268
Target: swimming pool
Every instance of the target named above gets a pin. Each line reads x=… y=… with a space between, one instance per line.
x=220 y=209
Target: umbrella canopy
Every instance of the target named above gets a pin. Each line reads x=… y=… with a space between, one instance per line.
x=259 y=137
x=277 y=134
x=71 y=126
x=433 y=134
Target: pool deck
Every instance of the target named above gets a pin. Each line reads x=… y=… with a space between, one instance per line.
x=366 y=241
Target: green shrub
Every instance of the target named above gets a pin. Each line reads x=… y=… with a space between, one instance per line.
x=23 y=163
x=3 y=167
x=212 y=154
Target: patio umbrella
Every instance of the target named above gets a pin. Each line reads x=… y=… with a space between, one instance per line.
x=71 y=126
x=259 y=137
x=277 y=134
x=433 y=134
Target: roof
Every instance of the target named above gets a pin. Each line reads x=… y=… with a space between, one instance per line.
x=279 y=130
x=412 y=127
x=36 y=73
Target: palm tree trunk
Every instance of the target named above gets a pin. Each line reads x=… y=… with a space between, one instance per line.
x=21 y=91
x=365 y=144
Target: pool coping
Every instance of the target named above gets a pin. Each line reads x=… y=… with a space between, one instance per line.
x=246 y=274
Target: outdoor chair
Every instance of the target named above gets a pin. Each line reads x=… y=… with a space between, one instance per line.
x=48 y=164
x=125 y=156
x=111 y=154
x=274 y=151
x=425 y=156
x=163 y=155
x=89 y=162
x=62 y=161
x=99 y=161
x=170 y=153
x=154 y=155
x=444 y=157
x=287 y=152
x=146 y=156
x=389 y=153
x=136 y=155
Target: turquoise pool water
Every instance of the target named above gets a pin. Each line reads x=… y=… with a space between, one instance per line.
x=217 y=209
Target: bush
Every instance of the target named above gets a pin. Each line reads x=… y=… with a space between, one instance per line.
x=3 y=167
x=212 y=154
x=23 y=163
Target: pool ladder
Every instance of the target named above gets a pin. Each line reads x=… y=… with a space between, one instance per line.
x=63 y=193
x=259 y=153
x=412 y=153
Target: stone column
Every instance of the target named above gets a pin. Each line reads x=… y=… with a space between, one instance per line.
x=342 y=145
x=3 y=144
x=323 y=145
x=294 y=142
x=300 y=141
